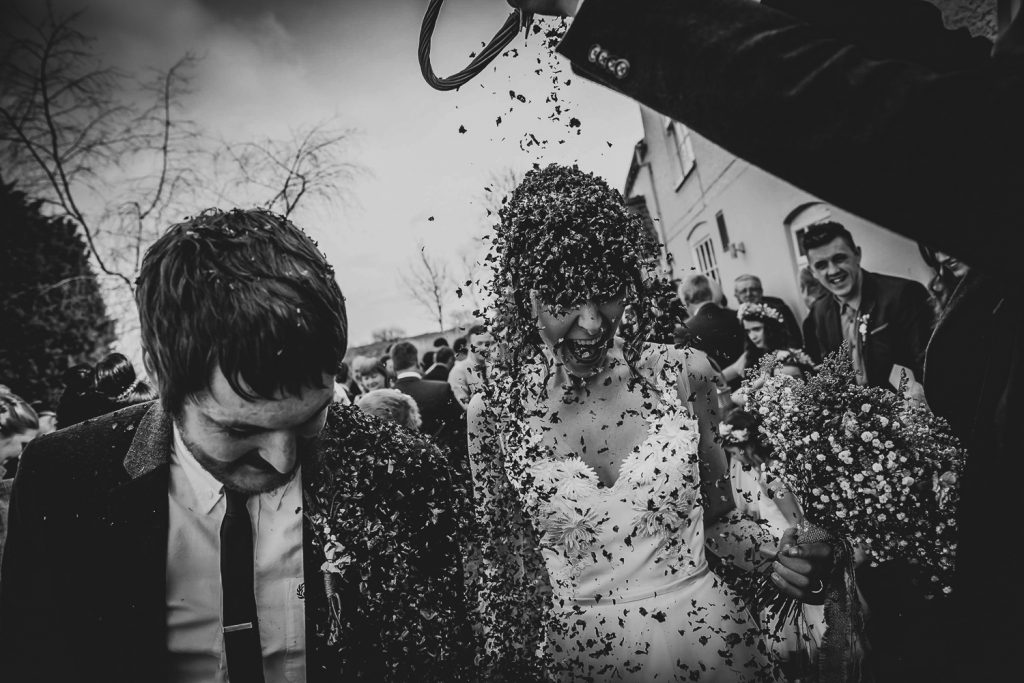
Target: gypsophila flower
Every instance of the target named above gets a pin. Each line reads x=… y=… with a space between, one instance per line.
x=884 y=488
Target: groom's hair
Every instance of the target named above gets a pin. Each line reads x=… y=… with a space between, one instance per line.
x=245 y=291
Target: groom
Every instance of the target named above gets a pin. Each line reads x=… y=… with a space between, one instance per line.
x=243 y=526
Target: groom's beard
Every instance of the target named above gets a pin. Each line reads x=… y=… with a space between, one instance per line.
x=235 y=474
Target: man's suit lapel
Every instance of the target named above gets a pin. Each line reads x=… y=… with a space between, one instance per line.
x=138 y=515
x=868 y=298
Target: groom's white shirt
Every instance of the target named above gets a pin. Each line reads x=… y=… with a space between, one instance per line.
x=195 y=642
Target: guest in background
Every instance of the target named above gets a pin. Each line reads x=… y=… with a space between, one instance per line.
x=718 y=296
x=749 y=290
x=428 y=360
x=19 y=424
x=47 y=422
x=710 y=328
x=444 y=359
x=765 y=331
x=461 y=348
x=468 y=376
x=439 y=342
x=345 y=387
x=91 y=391
x=885 y=320
x=441 y=417
x=948 y=270
x=369 y=373
x=389 y=369
x=669 y=312
x=810 y=291
x=393 y=405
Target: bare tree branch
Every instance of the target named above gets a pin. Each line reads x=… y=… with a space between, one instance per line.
x=429 y=284
x=309 y=163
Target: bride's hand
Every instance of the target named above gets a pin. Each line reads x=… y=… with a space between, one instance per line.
x=802 y=571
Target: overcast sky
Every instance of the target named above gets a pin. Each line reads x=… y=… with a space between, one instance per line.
x=271 y=66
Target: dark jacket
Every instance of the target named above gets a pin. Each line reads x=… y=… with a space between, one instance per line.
x=899 y=322
x=437 y=372
x=83 y=592
x=854 y=101
x=793 y=333
x=444 y=420
x=717 y=332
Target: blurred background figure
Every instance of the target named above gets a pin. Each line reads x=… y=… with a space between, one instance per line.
x=91 y=391
x=369 y=373
x=810 y=289
x=47 y=422
x=468 y=376
x=711 y=328
x=392 y=405
x=948 y=271
x=428 y=360
x=444 y=360
x=19 y=424
x=345 y=387
x=749 y=290
x=461 y=348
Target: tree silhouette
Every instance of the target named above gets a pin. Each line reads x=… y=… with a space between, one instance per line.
x=50 y=303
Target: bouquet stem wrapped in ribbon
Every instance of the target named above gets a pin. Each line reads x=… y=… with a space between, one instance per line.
x=870 y=469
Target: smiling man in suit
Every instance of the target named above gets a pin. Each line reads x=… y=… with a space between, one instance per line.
x=184 y=540
x=885 y=320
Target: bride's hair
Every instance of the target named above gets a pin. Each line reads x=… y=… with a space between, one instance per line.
x=566 y=235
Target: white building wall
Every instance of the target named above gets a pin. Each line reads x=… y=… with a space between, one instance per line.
x=756 y=206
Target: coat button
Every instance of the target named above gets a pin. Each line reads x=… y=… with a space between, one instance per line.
x=620 y=68
x=595 y=52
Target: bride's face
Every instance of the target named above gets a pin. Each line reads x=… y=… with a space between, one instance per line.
x=580 y=337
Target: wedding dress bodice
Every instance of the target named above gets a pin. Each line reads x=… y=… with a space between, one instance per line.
x=639 y=537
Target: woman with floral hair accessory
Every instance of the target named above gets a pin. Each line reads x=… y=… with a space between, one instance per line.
x=596 y=468
x=766 y=332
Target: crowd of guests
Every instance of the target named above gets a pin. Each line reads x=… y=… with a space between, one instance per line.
x=884 y=320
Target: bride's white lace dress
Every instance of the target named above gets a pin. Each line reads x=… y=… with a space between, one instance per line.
x=633 y=597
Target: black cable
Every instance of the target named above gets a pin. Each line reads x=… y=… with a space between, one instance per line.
x=517 y=20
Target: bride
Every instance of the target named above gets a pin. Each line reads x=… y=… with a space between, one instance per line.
x=598 y=477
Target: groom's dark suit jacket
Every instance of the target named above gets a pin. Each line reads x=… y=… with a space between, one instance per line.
x=874 y=106
x=83 y=595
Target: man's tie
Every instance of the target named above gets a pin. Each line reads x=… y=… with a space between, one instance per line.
x=241 y=624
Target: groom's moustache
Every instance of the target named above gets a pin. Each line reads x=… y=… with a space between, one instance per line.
x=305 y=450
x=253 y=459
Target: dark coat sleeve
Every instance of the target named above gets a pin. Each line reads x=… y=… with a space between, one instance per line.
x=919 y=321
x=882 y=138
x=25 y=597
x=811 y=345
